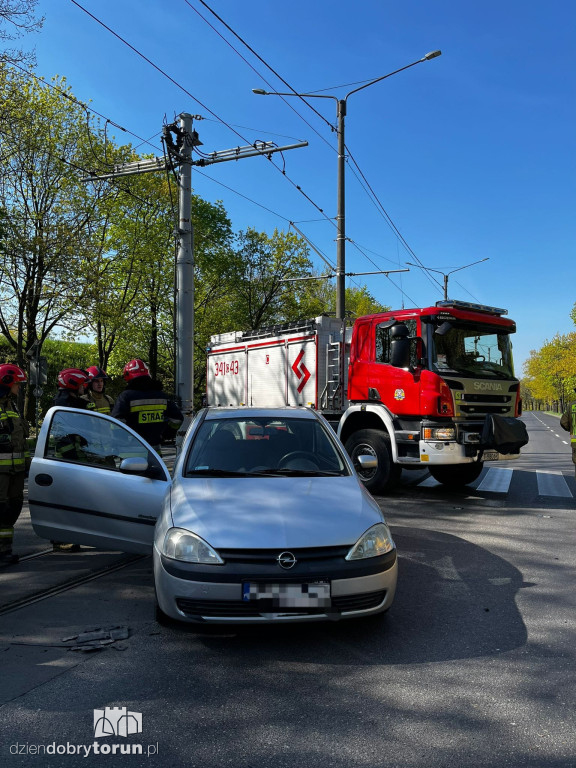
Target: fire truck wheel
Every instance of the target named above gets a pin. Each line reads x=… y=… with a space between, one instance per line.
x=455 y=476
x=374 y=443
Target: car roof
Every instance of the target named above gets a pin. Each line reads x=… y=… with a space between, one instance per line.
x=248 y=412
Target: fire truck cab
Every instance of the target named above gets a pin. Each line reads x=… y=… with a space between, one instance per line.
x=427 y=388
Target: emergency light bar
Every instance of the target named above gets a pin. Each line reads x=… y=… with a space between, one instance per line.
x=475 y=307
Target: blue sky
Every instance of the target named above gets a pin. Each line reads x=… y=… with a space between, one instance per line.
x=472 y=154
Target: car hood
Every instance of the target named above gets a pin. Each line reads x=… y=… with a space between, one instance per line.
x=271 y=513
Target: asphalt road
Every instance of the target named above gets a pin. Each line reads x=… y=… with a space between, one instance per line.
x=473 y=666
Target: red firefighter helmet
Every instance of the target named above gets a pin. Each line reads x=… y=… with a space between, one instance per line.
x=11 y=374
x=96 y=373
x=134 y=369
x=73 y=379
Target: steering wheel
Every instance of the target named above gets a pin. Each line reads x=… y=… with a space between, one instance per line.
x=298 y=460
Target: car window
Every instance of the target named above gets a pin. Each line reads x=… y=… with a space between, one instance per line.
x=86 y=439
x=260 y=445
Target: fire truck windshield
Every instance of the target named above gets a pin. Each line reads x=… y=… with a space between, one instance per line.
x=470 y=350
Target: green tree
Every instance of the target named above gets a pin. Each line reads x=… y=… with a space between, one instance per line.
x=17 y=18
x=550 y=372
x=52 y=217
x=317 y=297
x=264 y=268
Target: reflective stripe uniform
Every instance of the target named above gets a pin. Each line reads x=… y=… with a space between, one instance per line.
x=99 y=402
x=146 y=408
x=14 y=461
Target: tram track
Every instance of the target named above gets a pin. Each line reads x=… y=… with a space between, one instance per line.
x=58 y=589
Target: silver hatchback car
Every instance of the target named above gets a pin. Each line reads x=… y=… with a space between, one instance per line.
x=264 y=519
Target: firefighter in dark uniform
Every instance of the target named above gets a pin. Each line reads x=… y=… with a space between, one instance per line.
x=95 y=396
x=568 y=422
x=71 y=385
x=145 y=407
x=14 y=459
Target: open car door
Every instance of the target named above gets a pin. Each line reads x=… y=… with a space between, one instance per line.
x=94 y=481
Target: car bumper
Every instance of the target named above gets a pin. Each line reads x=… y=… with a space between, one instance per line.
x=442 y=453
x=196 y=601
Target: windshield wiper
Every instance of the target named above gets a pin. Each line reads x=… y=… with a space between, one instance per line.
x=286 y=472
x=209 y=472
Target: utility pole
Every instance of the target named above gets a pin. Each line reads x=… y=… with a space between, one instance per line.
x=180 y=155
x=341 y=216
x=185 y=275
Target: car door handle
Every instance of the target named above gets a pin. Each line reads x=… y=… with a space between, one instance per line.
x=43 y=479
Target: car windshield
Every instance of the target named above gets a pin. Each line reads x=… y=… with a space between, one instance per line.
x=472 y=350
x=264 y=447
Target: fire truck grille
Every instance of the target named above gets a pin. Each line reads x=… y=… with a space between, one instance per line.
x=480 y=409
x=486 y=398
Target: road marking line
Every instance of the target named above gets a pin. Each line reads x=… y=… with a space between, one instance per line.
x=552 y=483
x=496 y=480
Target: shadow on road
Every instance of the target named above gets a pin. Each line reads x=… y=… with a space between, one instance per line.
x=454 y=600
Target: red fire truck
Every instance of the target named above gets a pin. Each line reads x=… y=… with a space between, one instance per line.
x=417 y=388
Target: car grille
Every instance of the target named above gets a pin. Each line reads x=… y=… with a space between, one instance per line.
x=269 y=556
x=239 y=609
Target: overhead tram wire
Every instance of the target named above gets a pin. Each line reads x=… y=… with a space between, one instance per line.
x=274 y=213
x=388 y=219
x=194 y=98
x=229 y=28
x=141 y=139
x=84 y=106
x=268 y=83
x=379 y=204
x=263 y=61
x=402 y=291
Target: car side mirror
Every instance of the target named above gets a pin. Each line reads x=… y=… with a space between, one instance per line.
x=367 y=461
x=400 y=353
x=135 y=465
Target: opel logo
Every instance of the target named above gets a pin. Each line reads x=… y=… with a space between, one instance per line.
x=286 y=560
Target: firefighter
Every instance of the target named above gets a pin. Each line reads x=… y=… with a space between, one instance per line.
x=14 y=458
x=145 y=407
x=568 y=422
x=71 y=385
x=95 y=396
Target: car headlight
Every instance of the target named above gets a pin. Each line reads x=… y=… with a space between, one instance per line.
x=184 y=545
x=374 y=542
x=439 y=433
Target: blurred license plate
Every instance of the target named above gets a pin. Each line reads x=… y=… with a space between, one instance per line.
x=315 y=594
x=490 y=456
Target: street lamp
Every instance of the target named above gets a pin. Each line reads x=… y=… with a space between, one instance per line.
x=445 y=274
x=341 y=212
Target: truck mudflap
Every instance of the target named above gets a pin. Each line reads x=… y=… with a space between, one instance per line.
x=505 y=434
